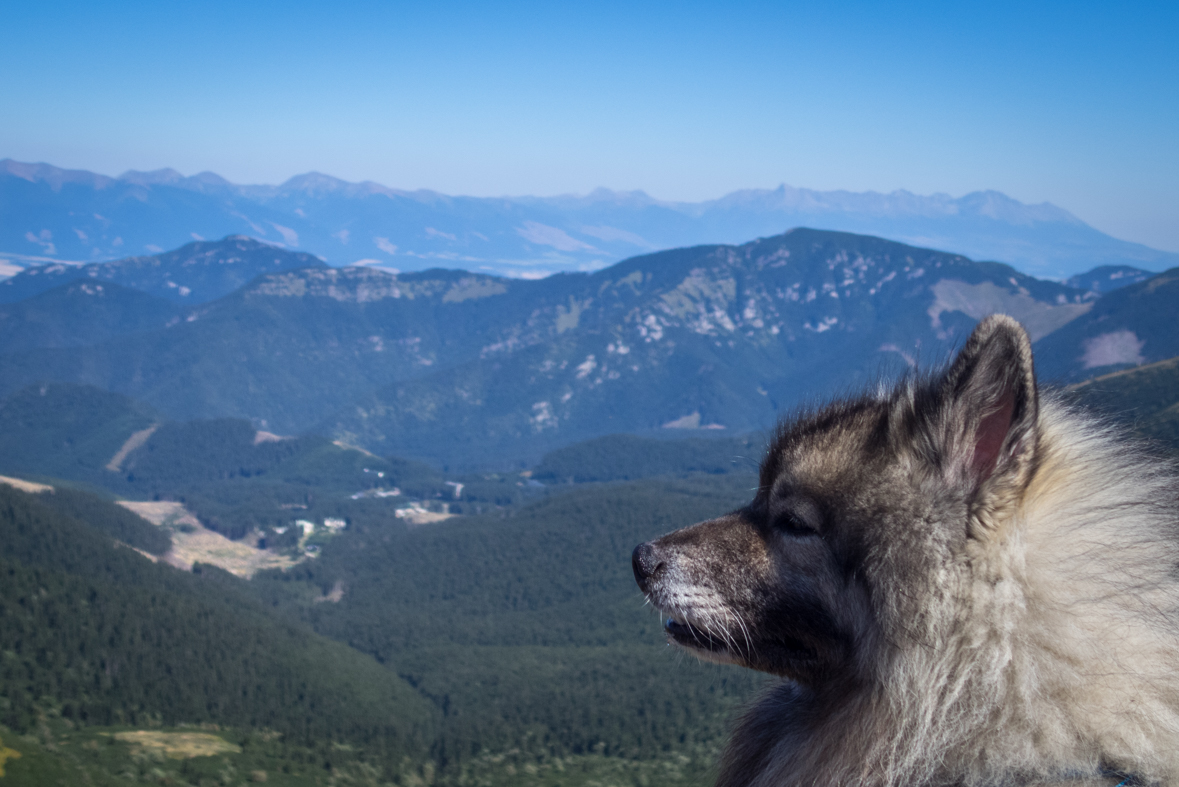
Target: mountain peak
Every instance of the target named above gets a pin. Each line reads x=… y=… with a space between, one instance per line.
x=208 y=178
x=155 y=177
x=170 y=177
x=194 y=273
x=634 y=196
x=54 y=176
x=314 y=182
x=317 y=184
x=997 y=205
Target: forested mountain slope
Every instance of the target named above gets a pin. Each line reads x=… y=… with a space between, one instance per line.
x=1145 y=399
x=713 y=337
x=288 y=349
x=235 y=478
x=78 y=314
x=625 y=457
x=67 y=431
x=531 y=622
x=107 y=636
x=524 y=631
x=465 y=370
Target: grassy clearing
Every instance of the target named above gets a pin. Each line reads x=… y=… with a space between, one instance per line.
x=56 y=755
x=178 y=745
x=25 y=486
x=193 y=543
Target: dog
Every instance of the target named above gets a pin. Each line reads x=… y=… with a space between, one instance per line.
x=961 y=580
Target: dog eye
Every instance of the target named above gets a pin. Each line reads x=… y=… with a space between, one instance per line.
x=794 y=526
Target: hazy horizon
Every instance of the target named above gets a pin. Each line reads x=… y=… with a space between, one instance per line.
x=1075 y=105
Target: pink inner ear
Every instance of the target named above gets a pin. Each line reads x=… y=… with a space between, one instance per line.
x=992 y=431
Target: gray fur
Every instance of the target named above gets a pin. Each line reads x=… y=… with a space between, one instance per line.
x=961 y=581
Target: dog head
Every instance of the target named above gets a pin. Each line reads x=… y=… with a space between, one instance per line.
x=864 y=509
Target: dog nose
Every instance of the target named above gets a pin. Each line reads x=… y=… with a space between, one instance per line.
x=645 y=564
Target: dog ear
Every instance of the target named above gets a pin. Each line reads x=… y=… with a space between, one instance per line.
x=989 y=415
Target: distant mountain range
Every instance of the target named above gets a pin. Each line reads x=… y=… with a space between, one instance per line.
x=48 y=214
x=468 y=370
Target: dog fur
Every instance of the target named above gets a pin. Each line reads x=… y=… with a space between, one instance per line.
x=961 y=580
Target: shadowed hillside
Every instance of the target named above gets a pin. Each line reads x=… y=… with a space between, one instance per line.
x=1131 y=326
x=465 y=370
x=1146 y=399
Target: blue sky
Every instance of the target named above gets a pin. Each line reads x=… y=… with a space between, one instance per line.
x=1076 y=104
